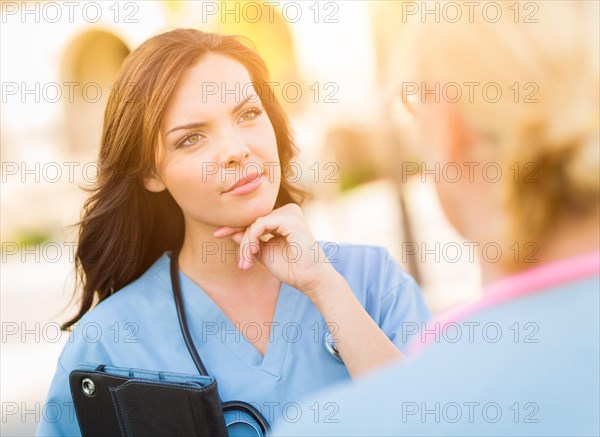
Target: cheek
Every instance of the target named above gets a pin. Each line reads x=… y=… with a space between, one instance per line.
x=433 y=138
x=265 y=138
x=453 y=205
x=187 y=178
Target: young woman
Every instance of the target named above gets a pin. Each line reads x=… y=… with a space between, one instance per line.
x=192 y=153
x=525 y=359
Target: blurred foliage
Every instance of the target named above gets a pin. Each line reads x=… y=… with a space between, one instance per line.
x=270 y=34
x=174 y=7
x=355 y=149
x=353 y=177
x=32 y=237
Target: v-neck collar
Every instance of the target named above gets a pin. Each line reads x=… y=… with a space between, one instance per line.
x=199 y=304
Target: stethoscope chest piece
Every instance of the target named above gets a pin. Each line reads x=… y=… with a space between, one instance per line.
x=330 y=347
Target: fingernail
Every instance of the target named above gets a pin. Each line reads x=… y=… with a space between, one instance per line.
x=218 y=232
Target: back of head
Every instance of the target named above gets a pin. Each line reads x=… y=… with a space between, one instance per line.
x=544 y=62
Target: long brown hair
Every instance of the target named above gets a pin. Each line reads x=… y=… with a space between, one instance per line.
x=124 y=228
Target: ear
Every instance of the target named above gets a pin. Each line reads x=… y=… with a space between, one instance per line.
x=154 y=183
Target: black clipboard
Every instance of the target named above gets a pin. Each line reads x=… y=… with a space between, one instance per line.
x=132 y=402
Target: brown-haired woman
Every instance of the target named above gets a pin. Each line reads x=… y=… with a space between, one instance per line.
x=192 y=153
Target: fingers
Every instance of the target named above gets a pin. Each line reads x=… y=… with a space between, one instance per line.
x=280 y=222
x=251 y=241
x=237 y=235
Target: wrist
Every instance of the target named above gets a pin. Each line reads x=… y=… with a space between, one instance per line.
x=327 y=289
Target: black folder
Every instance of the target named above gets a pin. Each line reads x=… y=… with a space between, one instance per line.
x=113 y=401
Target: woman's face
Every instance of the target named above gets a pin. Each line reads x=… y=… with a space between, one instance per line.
x=214 y=134
x=470 y=201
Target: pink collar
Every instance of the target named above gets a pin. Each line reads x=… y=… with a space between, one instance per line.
x=531 y=281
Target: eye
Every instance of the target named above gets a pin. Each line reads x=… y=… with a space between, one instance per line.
x=190 y=140
x=250 y=114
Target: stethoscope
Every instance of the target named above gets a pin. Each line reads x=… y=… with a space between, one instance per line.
x=229 y=406
x=330 y=347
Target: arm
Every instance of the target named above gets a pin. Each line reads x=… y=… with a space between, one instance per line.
x=361 y=343
x=61 y=419
x=360 y=340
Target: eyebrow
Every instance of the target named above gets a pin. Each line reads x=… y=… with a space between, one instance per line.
x=197 y=125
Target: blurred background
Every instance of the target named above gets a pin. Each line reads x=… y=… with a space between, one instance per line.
x=329 y=61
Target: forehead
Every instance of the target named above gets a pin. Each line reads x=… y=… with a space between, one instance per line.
x=214 y=83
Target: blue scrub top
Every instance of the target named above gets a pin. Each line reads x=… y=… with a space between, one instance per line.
x=528 y=366
x=137 y=327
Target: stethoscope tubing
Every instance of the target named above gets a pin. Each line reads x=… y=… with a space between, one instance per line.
x=229 y=405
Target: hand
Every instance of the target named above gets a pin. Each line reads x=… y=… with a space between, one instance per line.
x=282 y=241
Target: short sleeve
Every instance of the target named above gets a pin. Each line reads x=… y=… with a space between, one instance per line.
x=60 y=418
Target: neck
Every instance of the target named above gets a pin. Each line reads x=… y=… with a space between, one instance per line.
x=212 y=262
x=569 y=236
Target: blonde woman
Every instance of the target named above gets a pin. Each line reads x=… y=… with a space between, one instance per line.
x=524 y=359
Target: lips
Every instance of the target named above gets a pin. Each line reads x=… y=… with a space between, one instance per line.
x=251 y=177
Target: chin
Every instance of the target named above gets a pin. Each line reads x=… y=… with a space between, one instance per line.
x=251 y=210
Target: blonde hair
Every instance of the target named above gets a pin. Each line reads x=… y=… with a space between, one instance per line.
x=546 y=65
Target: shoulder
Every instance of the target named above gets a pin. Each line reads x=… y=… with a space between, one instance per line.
x=372 y=266
x=388 y=293
x=119 y=317
x=352 y=249
x=377 y=280
x=429 y=384
x=350 y=255
x=138 y=295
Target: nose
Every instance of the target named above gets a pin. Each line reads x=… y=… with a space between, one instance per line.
x=234 y=149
